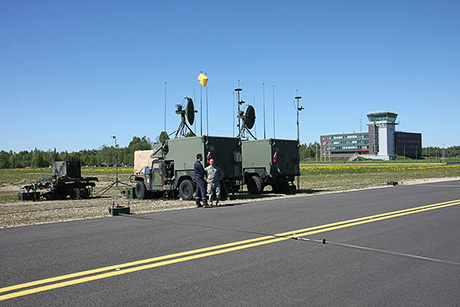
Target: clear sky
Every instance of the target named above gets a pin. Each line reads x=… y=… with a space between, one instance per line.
x=74 y=73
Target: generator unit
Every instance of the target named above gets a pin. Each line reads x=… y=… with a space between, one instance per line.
x=66 y=181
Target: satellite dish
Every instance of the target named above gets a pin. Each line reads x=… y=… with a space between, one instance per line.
x=190 y=111
x=249 y=117
x=187 y=114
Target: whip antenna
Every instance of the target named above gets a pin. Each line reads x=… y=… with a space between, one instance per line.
x=263 y=87
x=201 y=110
x=165 y=104
x=274 y=130
x=207 y=117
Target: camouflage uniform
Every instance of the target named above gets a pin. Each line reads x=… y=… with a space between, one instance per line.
x=215 y=175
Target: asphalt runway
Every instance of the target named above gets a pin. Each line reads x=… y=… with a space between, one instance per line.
x=394 y=246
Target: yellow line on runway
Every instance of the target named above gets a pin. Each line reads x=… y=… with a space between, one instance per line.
x=129 y=267
x=383 y=216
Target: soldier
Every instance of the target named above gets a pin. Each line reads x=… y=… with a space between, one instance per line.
x=200 y=183
x=214 y=175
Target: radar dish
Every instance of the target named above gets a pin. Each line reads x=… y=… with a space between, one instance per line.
x=249 y=117
x=190 y=111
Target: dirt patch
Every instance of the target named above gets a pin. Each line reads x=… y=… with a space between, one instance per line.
x=9 y=188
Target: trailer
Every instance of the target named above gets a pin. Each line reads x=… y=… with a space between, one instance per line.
x=273 y=162
x=66 y=181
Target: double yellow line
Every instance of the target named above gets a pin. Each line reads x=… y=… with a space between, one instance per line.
x=130 y=267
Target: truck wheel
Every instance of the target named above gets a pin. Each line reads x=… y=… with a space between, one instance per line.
x=186 y=189
x=140 y=190
x=255 y=184
x=74 y=193
x=259 y=184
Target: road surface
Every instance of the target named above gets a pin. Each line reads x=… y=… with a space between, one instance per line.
x=395 y=246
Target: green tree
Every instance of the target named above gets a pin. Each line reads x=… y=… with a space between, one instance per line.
x=12 y=159
x=4 y=159
x=163 y=136
x=136 y=144
x=308 y=152
x=24 y=159
x=39 y=159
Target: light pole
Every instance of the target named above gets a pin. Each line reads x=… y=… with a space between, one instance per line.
x=298 y=129
x=116 y=158
x=298 y=115
x=104 y=190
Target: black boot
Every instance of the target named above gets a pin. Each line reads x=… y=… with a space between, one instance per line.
x=205 y=203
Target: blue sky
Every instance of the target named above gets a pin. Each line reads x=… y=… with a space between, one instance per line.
x=74 y=73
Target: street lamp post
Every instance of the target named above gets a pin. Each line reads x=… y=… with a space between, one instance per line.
x=116 y=158
x=104 y=190
x=299 y=108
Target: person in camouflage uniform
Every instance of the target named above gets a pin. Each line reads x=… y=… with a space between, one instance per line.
x=214 y=175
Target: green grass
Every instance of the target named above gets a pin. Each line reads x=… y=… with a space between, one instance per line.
x=319 y=176
x=12 y=180
x=315 y=178
x=334 y=177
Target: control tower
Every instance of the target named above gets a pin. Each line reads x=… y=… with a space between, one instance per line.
x=382 y=135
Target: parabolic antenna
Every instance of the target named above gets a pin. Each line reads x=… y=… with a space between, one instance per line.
x=190 y=111
x=249 y=117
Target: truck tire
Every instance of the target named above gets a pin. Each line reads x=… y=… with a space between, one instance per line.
x=259 y=184
x=255 y=184
x=74 y=193
x=140 y=190
x=186 y=189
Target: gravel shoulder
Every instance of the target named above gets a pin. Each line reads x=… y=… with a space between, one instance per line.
x=15 y=214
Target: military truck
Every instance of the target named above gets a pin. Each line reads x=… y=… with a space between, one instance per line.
x=273 y=162
x=169 y=166
x=65 y=181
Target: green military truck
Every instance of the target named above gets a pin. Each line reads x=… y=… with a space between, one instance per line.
x=169 y=166
x=273 y=162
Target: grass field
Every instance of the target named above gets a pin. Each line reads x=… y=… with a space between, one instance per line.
x=314 y=179
x=337 y=177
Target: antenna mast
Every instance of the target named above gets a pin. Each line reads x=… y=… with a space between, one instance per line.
x=274 y=130
x=207 y=118
x=239 y=101
x=263 y=86
x=248 y=118
x=165 y=105
x=254 y=104
x=201 y=109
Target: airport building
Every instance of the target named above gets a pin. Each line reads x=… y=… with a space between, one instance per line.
x=381 y=141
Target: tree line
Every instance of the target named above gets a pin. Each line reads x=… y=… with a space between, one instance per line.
x=439 y=152
x=109 y=155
